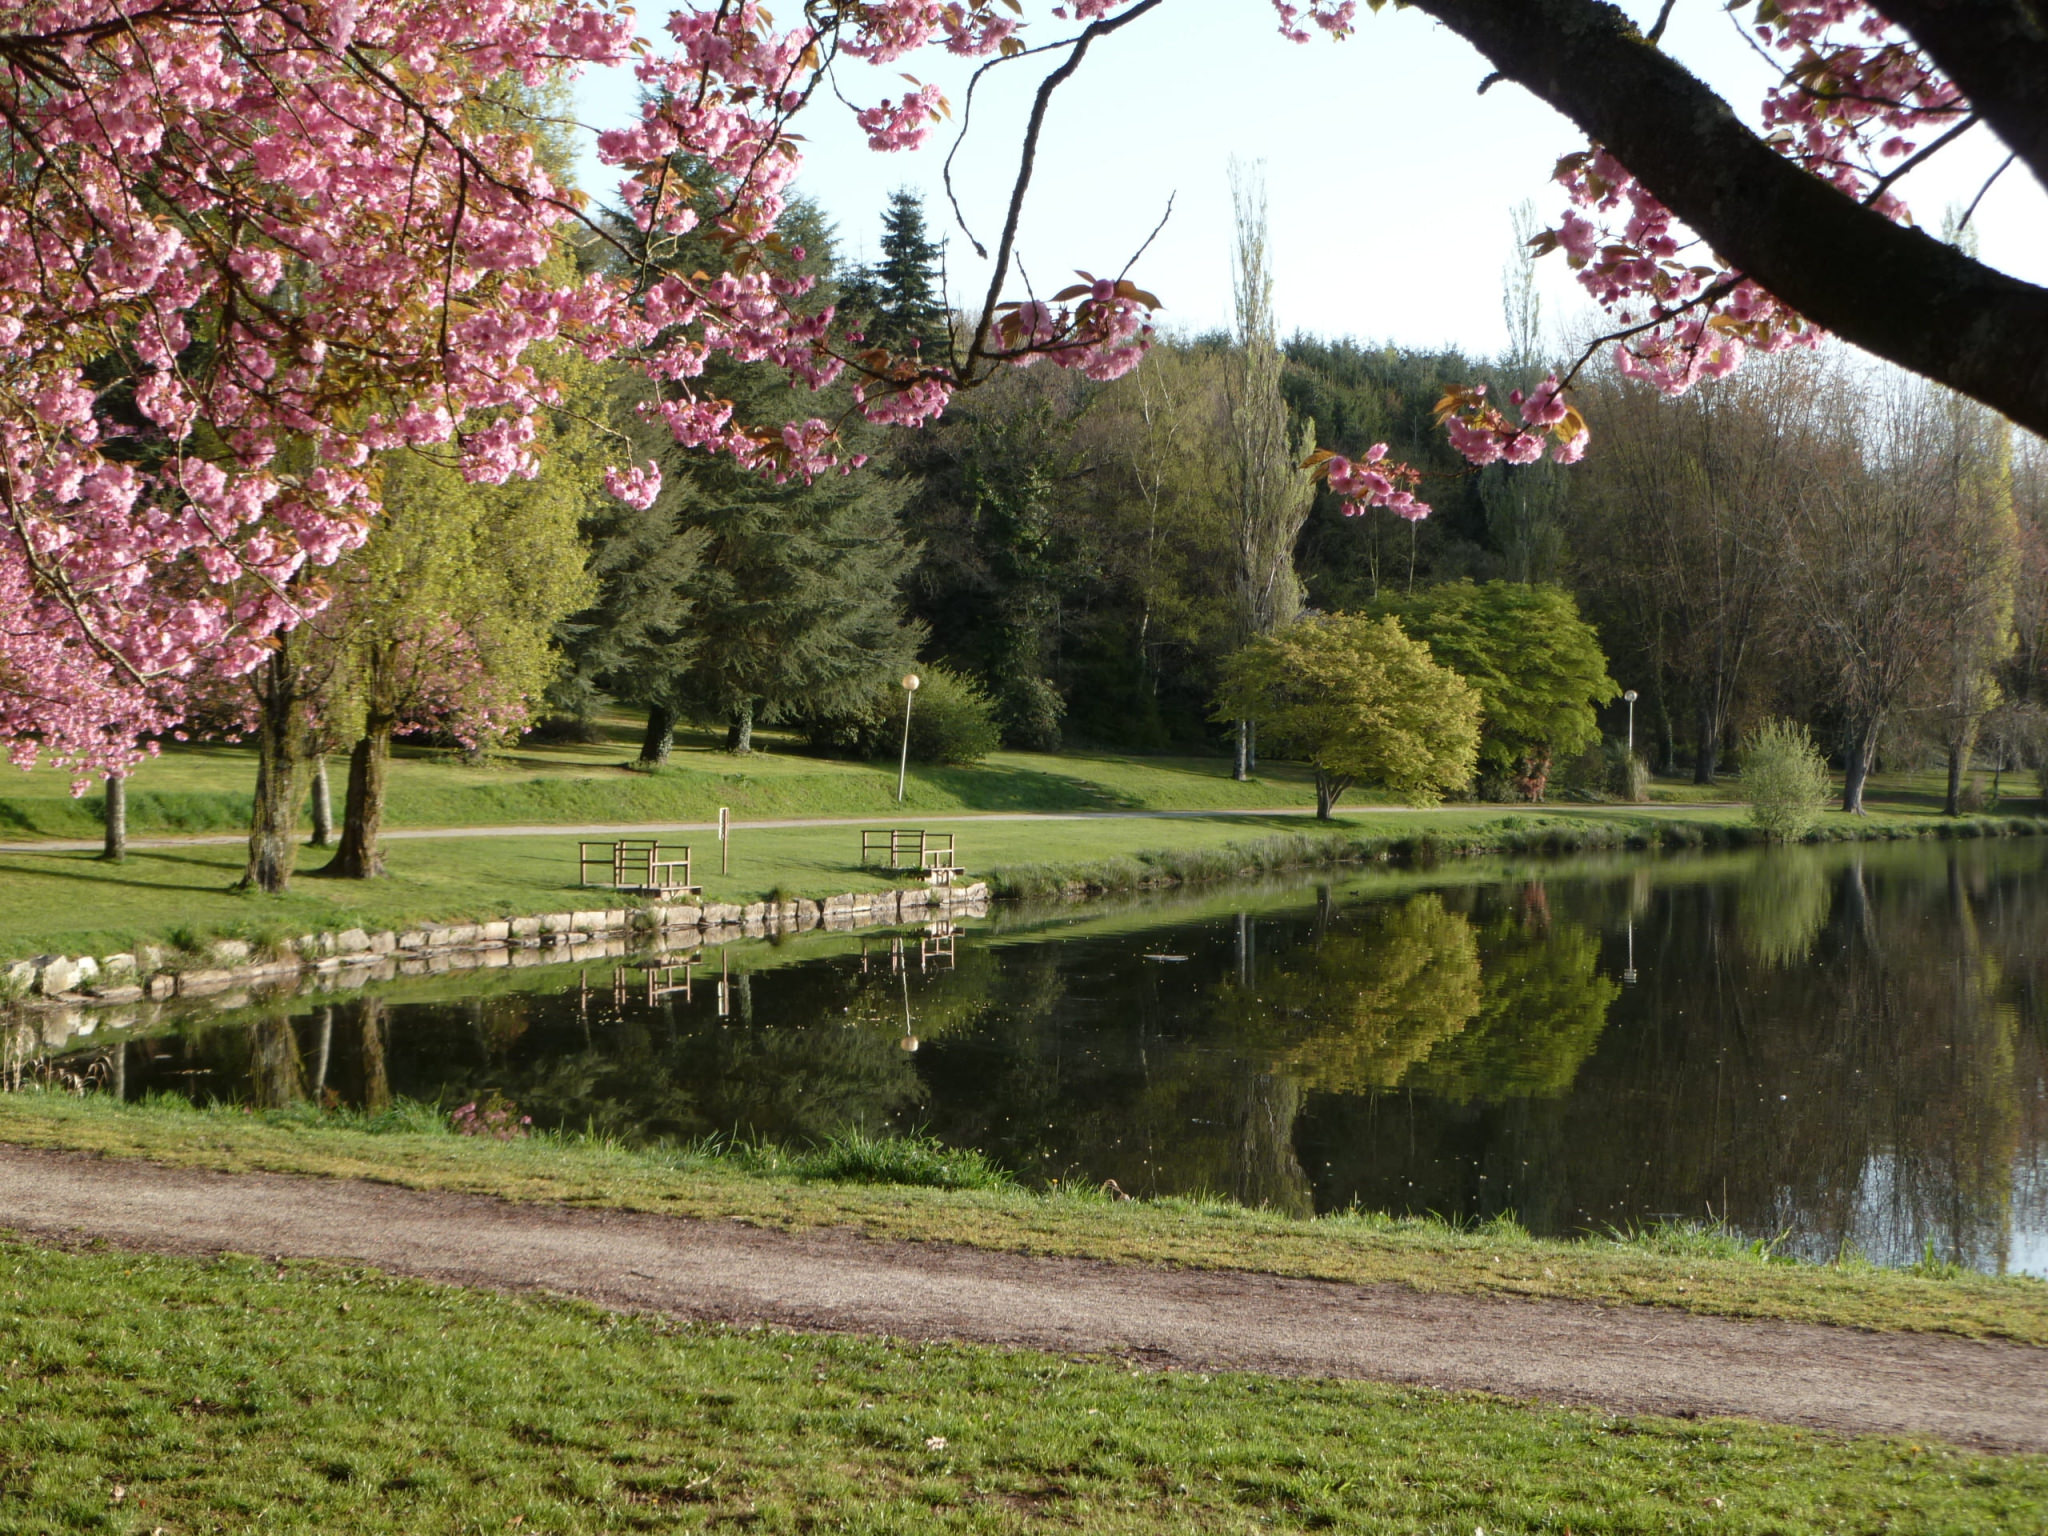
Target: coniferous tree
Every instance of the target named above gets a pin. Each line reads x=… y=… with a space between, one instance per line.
x=900 y=301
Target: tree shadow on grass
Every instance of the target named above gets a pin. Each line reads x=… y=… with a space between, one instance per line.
x=987 y=787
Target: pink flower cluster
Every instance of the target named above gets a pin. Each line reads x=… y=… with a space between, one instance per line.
x=1482 y=432
x=1373 y=482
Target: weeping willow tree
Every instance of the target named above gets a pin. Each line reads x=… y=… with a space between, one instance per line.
x=1271 y=492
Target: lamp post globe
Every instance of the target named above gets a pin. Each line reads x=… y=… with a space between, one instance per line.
x=910 y=682
x=1629 y=698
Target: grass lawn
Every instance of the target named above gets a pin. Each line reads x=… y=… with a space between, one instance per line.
x=147 y=1394
x=206 y=788
x=952 y=1197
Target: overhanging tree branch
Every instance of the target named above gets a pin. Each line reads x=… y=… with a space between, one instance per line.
x=1895 y=291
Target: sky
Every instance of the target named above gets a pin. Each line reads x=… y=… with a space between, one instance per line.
x=1391 y=184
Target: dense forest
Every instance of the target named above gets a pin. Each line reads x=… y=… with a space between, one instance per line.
x=1809 y=537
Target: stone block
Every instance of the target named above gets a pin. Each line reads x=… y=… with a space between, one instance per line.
x=721 y=912
x=228 y=952
x=685 y=917
x=17 y=978
x=385 y=943
x=455 y=936
x=149 y=958
x=494 y=933
x=615 y=918
x=117 y=970
x=352 y=941
x=525 y=927
x=205 y=983
x=754 y=912
x=122 y=994
x=586 y=922
x=413 y=939
x=54 y=974
x=557 y=922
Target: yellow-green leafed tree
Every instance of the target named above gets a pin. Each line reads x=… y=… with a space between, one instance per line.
x=1360 y=703
x=445 y=619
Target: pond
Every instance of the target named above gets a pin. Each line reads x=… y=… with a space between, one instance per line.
x=1837 y=1048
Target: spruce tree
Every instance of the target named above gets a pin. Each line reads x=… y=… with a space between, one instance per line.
x=899 y=302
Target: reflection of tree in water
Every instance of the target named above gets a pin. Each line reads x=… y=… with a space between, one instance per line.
x=1781 y=907
x=1373 y=993
x=277 y=1074
x=1543 y=1003
x=1873 y=1096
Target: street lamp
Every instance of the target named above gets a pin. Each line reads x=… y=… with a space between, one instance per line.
x=903 y=767
x=1629 y=699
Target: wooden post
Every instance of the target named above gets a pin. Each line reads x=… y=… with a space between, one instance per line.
x=724 y=839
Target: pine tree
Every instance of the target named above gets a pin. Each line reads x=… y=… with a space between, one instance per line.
x=900 y=302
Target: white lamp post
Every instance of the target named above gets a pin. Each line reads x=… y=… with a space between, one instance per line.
x=903 y=767
x=1629 y=699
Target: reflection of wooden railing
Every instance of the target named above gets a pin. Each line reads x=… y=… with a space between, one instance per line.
x=638 y=864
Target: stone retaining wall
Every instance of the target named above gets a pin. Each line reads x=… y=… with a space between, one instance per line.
x=69 y=985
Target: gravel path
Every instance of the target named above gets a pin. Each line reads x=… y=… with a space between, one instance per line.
x=1628 y=1359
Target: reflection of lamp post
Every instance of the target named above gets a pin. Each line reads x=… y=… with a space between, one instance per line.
x=903 y=767
x=1629 y=974
x=1629 y=699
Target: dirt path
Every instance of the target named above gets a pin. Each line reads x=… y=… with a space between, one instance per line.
x=1630 y=1359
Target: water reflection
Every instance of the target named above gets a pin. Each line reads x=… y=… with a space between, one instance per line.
x=1844 y=1047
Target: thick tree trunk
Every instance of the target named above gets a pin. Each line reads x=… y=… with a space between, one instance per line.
x=1328 y=788
x=1856 y=758
x=116 y=847
x=1251 y=746
x=1240 y=768
x=274 y=818
x=361 y=853
x=739 y=736
x=323 y=803
x=660 y=739
x=1707 y=761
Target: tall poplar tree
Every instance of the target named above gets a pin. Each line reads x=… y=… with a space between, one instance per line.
x=1272 y=493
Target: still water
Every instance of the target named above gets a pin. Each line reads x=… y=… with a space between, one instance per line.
x=1838 y=1048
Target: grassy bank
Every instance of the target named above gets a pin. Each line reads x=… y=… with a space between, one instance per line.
x=206 y=788
x=154 y=1394
x=955 y=1198
x=71 y=903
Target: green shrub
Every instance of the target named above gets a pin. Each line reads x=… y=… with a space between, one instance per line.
x=952 y=719
x=1785 y=778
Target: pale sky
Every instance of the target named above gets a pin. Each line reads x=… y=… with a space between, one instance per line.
x=1391 y=184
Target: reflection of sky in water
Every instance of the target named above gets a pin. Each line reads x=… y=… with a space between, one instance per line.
x=1838 y=1045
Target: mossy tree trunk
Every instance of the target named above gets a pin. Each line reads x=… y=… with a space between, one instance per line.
x=274 y=816
x=360 y=855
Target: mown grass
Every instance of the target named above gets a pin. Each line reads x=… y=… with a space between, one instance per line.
x=206 y=788
x=902 y=1194
x=148 y=1394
